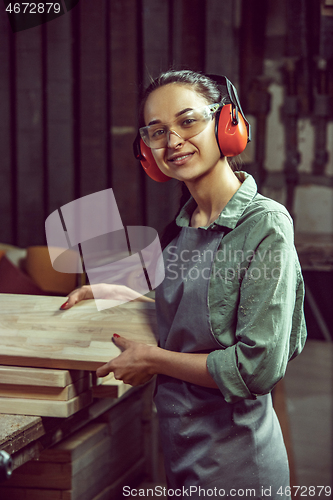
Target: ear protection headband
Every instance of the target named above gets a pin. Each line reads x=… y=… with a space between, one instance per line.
x=232 y=130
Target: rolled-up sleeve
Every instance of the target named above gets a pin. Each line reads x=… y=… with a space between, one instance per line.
x=270 y=326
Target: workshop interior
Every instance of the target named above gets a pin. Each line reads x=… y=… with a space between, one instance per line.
x=70 y=90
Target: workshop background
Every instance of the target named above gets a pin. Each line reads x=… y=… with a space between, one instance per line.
x=69 y=94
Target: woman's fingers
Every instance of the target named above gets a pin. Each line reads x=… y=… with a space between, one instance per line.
x=77 y=295
x=131 y=366
x=103 y=371
x=103 y=291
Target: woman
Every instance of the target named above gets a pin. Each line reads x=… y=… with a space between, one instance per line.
x=230 y=309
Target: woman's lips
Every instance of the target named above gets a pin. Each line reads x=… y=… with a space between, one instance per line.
x=181 y=159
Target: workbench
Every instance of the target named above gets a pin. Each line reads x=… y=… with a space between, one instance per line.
x=131 y=425
x=130 y=417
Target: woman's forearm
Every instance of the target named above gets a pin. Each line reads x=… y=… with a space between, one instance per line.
x=190 y=367
x=137 y=363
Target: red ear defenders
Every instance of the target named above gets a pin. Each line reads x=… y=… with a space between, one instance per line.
x=232 y=131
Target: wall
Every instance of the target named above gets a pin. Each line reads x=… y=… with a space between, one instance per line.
x=69 y=91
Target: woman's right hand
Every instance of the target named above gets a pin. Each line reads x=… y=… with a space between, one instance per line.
x=103 y=291
x=83 y=293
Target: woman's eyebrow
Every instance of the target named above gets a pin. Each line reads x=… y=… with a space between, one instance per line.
x=153 y=122
x=184 y=111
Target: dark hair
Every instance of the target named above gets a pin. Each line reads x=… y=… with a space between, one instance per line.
x=209 y=90
x=200 y=83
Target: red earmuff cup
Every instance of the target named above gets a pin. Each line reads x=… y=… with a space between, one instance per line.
x=149 y=164
x=232 y=138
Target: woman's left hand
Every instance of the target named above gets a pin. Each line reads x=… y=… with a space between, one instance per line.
x=132 y=365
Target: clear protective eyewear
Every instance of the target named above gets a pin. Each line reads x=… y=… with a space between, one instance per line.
x=185 y=126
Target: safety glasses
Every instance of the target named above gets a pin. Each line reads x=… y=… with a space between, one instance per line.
x=187 y=125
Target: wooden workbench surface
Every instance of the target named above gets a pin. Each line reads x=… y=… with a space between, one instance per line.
x=16 y=431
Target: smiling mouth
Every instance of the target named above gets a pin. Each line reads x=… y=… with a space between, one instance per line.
x=180 y=158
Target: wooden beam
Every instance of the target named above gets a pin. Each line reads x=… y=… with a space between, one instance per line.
x=30 y=136
x=46 y=393
x=59 y=119
x=126 y=171
x=38 y=376
x=6 y=130
x=45 y=408
x=76 y=445
x=93 y=111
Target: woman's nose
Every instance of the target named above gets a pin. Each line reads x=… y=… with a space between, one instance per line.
x=174 y=139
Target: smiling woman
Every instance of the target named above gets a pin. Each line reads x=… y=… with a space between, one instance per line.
x=227 y=326
x=183 y=156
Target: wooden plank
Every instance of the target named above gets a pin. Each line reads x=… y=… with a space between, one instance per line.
x=6 y=212
x=38 y=376
x=92 y=479
x=27 y=453
x=34 y=332
x=61 y=476
x=127 y=174
x=60 y=154
x=41 y=475
x=93 y=108
x=26 y=444
x=25 y=437
x=46 y=393
x=135 y=472
x=109 y=387
x=61 y=409
x=76 y=445
x=126 y=421
x=30 y=175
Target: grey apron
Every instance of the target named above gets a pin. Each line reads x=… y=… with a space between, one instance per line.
x=207 y=442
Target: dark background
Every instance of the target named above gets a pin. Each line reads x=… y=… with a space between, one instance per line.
x=70 y=89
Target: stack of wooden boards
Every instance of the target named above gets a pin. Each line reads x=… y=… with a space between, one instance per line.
x=92 y=464
x=47 y=357
x=35 y=334
x=71 y=470
x=44 y=392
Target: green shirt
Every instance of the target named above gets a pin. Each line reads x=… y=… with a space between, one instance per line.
x=256 y=293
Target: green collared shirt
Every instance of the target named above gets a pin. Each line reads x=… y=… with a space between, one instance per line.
x=256 y=293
